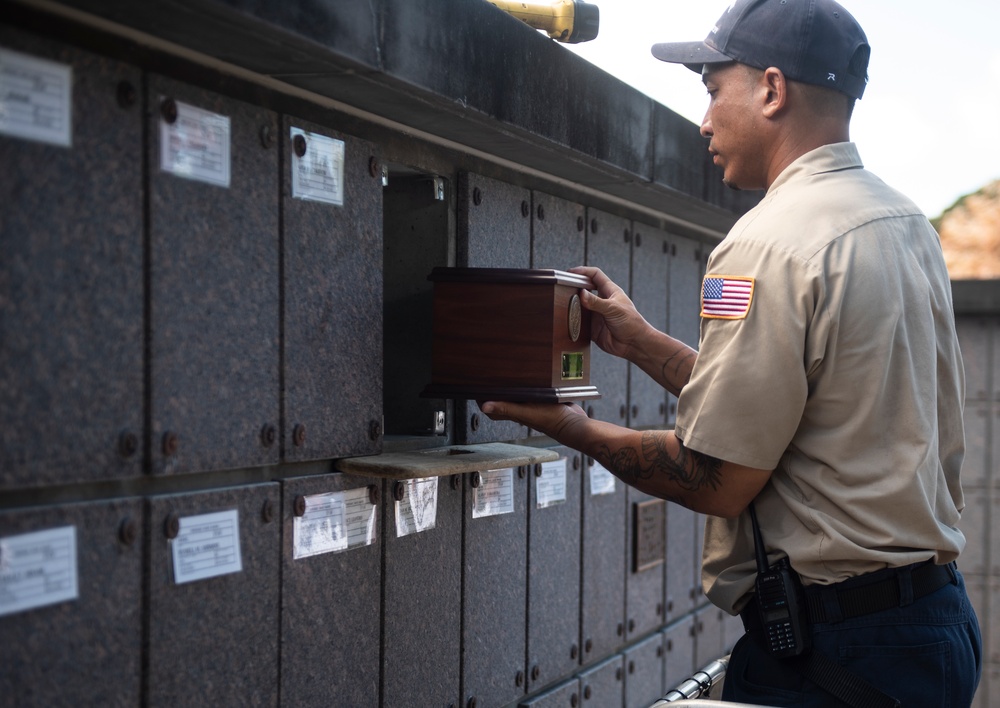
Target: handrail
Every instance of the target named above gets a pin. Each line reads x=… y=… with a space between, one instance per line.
x=699 y=685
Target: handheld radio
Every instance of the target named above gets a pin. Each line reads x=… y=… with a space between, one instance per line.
x=779 y=601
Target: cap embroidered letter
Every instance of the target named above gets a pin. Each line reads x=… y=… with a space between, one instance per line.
x=726 y=297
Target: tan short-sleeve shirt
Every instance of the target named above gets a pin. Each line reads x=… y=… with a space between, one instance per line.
x=828 y=353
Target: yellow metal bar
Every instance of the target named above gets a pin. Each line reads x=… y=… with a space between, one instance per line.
x=562 y=20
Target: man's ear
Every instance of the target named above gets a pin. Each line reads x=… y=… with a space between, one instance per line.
x=774 y=88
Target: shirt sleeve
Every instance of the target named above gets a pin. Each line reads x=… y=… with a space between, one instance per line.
x=749 y=386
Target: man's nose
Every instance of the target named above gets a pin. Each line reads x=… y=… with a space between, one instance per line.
x=706 y=126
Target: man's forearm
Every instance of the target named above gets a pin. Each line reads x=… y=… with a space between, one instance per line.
x=658 y=463
x=666 y=360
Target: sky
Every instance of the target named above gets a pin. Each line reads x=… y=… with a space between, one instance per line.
x=929 y=122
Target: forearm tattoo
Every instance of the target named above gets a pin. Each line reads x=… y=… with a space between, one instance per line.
x=673 y=367
x=692 y=471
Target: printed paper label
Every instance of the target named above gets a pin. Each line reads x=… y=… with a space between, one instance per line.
x=36 y=98
x=38 y=569
x=318 y=175
x=550 y=487
x=601 y=481
x=418 y=510
x=196 y=145
x=206 y=546
x=334 y=522
x=359 y=518
x=495 y=494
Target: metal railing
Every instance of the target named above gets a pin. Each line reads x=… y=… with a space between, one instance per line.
x=698 y=686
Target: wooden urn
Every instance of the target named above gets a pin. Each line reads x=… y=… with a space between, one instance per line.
x=510 y=335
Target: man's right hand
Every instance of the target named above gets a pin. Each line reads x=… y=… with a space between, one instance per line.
x=618 y=328
x=615 y=325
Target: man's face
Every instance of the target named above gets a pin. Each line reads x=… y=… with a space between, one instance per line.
x=732 y=125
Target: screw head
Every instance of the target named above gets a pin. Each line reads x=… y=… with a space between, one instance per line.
x=474 y=422
x=266 y=137
x=126 y=94
x=299 y=507
x=631 y=625
x=588 y=646
x=477 y=479
x=373 y=167
x=631 y=667
x=621 y=629
x=576 y=462
x=128 y=444
x=168 y=110
x=477 y=199
x=579 y=223
x=635 y=410
x=621 y=411
x=171 y=526
x=472 y=702
x=455 y=481
x=268 y=434
x=587 y=693
x=638 y=240
x=299 y=145
x=627 y=235
x=267 y=511
x=374 y=494
x=540 y=211
x=374 y=430
x=593 y=226
x=398 y=491
x=538 y=469
x=519 y=679
x=535 y=672
x=574 y=701
x=525 y=208
x=299 y=435
x=127 y=531
x=170 y=443
x=522 y=472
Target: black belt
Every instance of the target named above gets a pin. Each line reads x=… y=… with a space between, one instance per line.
x=865 y=594
x=883 y=590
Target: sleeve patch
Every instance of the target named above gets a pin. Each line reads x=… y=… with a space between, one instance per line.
x=726 y=297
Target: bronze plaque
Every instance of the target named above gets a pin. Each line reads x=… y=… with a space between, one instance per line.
x=575 y=317
x=649 y=534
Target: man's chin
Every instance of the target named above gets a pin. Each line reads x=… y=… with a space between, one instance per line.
x=732 y=185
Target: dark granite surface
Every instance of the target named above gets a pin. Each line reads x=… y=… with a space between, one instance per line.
x=71 y=284
x=91 y=646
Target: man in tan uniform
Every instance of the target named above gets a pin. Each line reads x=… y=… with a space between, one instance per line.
x=828 y=388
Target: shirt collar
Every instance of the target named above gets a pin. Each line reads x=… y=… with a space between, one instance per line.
x=827 y=158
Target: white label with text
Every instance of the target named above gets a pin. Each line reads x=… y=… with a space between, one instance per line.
x=36 y=99
x=38 y=569
x=206 y=546
x=495 y=494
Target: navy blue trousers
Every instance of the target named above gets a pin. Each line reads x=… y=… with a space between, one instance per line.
x=927 y=653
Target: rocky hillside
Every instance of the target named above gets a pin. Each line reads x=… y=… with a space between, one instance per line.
x=970 y=235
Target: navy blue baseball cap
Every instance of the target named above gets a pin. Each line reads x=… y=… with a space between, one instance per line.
x=813 y=41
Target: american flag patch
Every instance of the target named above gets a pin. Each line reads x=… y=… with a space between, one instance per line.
x=726 y=297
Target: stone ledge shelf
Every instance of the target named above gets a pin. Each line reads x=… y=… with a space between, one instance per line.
x=445 y=461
